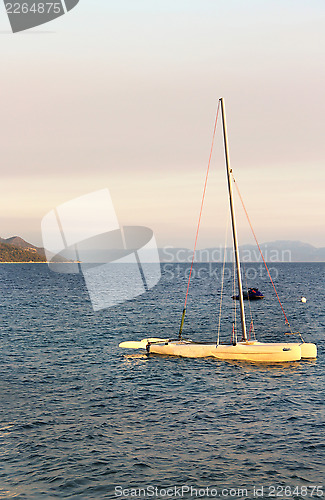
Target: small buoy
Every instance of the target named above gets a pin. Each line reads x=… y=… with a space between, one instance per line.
x=303 y=299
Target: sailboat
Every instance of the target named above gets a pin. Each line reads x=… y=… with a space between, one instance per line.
x=244 y=350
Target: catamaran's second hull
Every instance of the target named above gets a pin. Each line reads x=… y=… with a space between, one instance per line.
x=251 y=351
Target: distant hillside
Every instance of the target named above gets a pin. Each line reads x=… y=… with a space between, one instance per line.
x=18 y=242
x=274 y=251
x=11 y=253
x=15 y=249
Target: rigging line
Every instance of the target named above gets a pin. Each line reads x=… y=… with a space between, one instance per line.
x=199 y=221
x=249 y=302
x=248 y=299
x=222 y=281
x=250 y=224
x=234 y=294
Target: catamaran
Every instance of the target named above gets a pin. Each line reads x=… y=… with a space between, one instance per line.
x=245 y=349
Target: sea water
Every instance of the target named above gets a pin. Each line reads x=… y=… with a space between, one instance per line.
x=83 y=419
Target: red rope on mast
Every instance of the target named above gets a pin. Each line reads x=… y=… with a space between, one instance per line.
x=242 y=202
x=198 y=225
x=202 y=202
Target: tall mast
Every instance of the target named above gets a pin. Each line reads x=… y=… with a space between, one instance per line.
x=233 y=221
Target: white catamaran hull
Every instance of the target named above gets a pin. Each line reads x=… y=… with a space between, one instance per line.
x=242 y=351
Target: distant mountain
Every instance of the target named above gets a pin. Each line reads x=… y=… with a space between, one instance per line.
x=18 y=242
x=284 y=251
x=274 y=251
x=15 y=249
x=12 y=253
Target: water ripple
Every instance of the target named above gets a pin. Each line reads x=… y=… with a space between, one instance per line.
x=79 y=416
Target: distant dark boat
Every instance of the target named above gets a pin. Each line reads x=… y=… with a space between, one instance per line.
x=250 y=294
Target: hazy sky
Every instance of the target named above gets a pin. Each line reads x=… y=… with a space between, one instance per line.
x=123 y=94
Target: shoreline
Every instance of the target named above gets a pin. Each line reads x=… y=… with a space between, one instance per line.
x=175 y=263
x=32 y=262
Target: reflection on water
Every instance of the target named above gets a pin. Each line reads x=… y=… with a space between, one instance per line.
x=135 y=359
x=246 y=366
